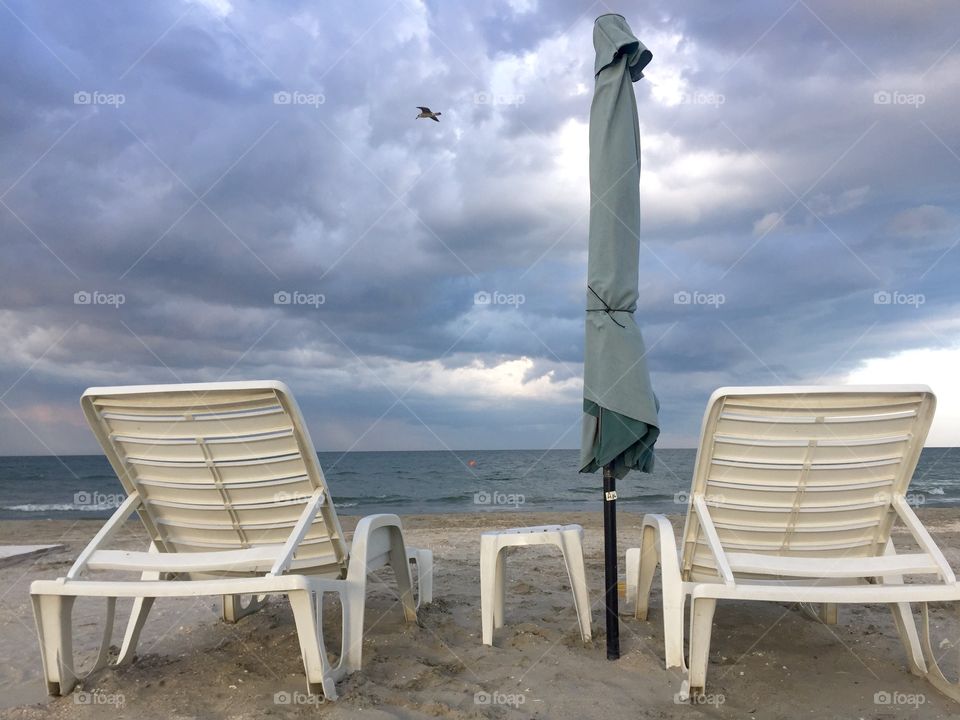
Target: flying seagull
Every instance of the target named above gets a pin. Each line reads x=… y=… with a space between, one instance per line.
x=426 y=112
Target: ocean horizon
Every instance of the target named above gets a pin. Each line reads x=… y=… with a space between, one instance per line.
x=417 y=482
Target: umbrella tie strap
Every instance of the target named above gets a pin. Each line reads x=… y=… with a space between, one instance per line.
x=606 y=308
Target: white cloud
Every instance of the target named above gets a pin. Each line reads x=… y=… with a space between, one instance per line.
x=220 y=8
x=920 y=222
x=767 y=223
x=936 y=367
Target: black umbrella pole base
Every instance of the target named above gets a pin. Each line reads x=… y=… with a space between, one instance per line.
x=612 y=600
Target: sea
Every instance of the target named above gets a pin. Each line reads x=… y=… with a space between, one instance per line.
x=407 y=483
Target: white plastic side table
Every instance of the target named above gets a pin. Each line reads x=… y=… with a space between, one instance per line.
x=569 y=538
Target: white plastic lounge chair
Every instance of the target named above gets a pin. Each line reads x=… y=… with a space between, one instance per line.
x=794 y=494
x=227 y=483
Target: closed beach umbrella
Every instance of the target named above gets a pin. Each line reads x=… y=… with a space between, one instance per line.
x=620 y=422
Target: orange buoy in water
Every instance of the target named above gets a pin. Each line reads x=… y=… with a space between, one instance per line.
x=471 y=463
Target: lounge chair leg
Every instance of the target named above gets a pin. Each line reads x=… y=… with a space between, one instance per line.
x=631 y=564
x=646 y=568
x=572 y=549
x=500 y=589
x=701 y=627
x=138 y=616
x=401 y=569
x=907 y=630
x=234 y=609
x=673 y=631
x=103 y=656
x=934 y=674
x=310 y=633
x=903 y=619
x=52 y=614
x=424 y=562
x=658 y=547
x=829 y=613
x=488 y=585
x=354 y=605
x=826 y=613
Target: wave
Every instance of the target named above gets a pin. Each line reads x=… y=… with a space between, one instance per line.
x=58 y=507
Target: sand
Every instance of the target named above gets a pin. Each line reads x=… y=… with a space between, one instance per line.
x=767 y=660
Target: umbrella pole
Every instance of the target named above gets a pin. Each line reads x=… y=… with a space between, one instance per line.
x=610 y=562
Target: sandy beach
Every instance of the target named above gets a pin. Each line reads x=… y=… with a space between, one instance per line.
x=767 y=660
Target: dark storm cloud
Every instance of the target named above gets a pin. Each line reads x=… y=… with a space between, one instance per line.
x=781 y=193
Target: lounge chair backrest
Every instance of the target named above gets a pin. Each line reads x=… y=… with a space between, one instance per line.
x=219 y=466
x=804 y=471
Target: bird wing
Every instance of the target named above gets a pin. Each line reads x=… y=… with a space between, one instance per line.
x=422 y=108
x=435 y=118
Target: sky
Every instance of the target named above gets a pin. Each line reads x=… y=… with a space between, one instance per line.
x=205 y=190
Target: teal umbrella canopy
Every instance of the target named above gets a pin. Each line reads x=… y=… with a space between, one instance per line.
x=620 y=424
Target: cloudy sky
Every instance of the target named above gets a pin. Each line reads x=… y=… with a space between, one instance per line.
x=183 y=183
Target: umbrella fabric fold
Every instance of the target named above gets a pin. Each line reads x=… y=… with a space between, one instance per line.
x=620 y=424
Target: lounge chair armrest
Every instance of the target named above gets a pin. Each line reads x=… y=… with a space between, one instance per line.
x=299 y=531
x=371 y=545
x=923 y=538
x=713 y=539
x=116 y=521
x=666 y=543
x=666 y=548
